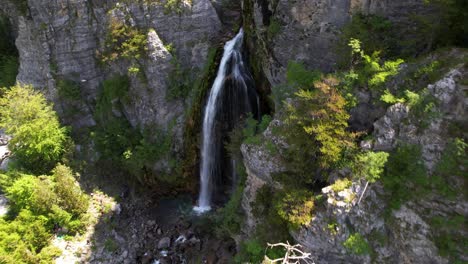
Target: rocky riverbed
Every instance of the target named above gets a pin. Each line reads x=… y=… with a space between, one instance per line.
x=144 y=230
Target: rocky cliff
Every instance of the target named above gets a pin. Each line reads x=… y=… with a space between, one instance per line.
x=308 y=30
x=64 y=42
x=409 y=234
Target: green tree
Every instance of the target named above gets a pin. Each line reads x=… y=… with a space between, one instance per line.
x=372 y=73
x=369 y=166
x=38 y=139
x=318 y=120
x=70 y=196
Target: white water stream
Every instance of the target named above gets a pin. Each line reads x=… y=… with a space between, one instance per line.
x=231 y=63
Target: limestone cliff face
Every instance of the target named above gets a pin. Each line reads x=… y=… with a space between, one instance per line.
x=405 y=235
x=307 y=30
x=62 y=40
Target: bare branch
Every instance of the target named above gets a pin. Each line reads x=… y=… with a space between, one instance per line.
x=293 y=255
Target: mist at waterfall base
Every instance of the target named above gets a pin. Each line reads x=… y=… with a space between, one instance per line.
x=231 y=99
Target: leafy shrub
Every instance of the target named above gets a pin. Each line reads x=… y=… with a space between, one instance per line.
x=389 y=98
x=38 y=139
x=370 y=165
x=447 y=237
x=376 y=33
x=405 y=175
x=39 y=205
x=371 y=71
x=341 y=184
x=124 y=41
x=251 y=251
x=296 y=208
x=179 y=81
x=316 y=126
x=274 y=28
x=173 y=6
x=8 y=70
x=70 y=196
x=356 y=244
x=452 y=164
x=265 y=209
x=298 y=77
x=230 y=218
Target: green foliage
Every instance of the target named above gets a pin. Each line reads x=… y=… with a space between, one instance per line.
x=253 y=130
x=70 y=196
x=447 y=25
x=422 y=106
x=453 y=163
x=8 y=70
x=298 y=77
x=230 y=218
x=447 y=236
x=110 y=245
x=357 y=245
x=117 y=141
x=316 y=126
x=341 y=184
x=180 y=81
x=113 y=135
x=21 y=5
x=376 y=33
x=38 y=139
x=389 y=98
x=38 y=205
x=251 y=251
x=265 y=209
x=124 y=41
x=68 y=89
x=173 y=6
x=296 y=207
x=405 y=175
x=371 y=71
x=140 y=156
x=274 y=28
x=347 y=88
x=370 y=165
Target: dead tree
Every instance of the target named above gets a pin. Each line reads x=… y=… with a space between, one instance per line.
x=294 y=255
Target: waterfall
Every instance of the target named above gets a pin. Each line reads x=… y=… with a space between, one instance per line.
x=232 y=96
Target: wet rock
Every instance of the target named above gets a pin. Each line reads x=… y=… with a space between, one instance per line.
x=164 y=243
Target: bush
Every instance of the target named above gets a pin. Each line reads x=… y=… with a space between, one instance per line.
x=376 y=33
x=38 y=139
x=356 y=244
x=372 y=73
x=405 y=175
x=230 y=218
x=70 y=196
x=341 y=184
x=124 y=41
x=297 y=77
x=315 y=129
x=296 y=208
x=370 y=165
x=179 y=81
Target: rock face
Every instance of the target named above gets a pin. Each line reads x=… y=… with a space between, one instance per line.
x=405 y=235
x=260 y=166
x=62 y=40
x=307 y=30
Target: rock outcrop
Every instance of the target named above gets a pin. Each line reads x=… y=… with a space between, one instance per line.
x=63 y=40
x=307 y=30
x=404 y=235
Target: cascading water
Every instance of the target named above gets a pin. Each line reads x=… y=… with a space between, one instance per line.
x=232 y=97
